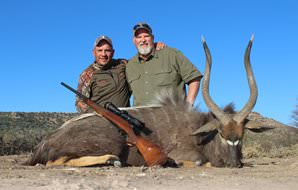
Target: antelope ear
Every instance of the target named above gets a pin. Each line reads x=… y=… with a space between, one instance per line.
x=257 y=126
x=210 y=126
x=253 y=125
x=257 y=121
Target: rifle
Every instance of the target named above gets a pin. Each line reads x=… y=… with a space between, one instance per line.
x=136 y=124
x=151 y=153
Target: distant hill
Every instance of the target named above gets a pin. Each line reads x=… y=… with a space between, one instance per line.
x=21 y=131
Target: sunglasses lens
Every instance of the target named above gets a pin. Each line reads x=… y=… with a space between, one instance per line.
x=141 y=25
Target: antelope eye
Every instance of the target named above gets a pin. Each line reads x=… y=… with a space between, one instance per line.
x=221 y=135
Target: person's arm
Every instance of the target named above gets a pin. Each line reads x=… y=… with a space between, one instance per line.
x=193 y=89
x=191 y=75
x=84 y=88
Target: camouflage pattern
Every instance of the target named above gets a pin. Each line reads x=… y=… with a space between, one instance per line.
x=105 y=83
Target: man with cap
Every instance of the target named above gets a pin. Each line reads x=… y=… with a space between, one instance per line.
x=150 y=72
x=104 y=80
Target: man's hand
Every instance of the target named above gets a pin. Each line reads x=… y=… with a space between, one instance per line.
x=159 y=45
x=83 y=107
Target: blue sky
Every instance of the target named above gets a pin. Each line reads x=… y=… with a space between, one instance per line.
x=46 y=42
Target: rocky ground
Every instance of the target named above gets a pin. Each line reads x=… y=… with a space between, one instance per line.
x=257 y=173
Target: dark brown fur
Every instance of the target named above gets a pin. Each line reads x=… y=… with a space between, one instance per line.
x=172 y=125
x=91 y=136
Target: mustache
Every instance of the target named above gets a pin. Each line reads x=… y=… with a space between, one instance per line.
x=143 y=43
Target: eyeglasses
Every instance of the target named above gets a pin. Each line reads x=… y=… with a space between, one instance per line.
x=142 y=25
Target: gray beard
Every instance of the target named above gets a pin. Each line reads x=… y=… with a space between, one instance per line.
x=145 y=51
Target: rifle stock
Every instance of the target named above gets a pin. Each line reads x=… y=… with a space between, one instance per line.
x=151 y=153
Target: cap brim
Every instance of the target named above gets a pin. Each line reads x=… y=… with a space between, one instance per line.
x=139 y=28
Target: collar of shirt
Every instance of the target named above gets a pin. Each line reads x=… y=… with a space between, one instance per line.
x=152 y=55
x=97 y=66
x=107 y=66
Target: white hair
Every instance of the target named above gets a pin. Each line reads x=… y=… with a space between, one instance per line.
x=144 y=51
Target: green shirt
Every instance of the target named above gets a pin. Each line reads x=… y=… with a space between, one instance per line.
x=109 y=84
x=166 y=68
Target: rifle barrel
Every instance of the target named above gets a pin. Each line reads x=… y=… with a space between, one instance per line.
x=73 y=90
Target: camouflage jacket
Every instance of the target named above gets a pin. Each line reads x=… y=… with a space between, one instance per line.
x=104 y=84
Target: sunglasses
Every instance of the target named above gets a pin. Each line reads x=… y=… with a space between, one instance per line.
x=142 y=25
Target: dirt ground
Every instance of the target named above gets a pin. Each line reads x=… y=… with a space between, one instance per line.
x=257 y=173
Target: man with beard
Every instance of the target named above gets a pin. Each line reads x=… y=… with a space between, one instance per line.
x=150 y=71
